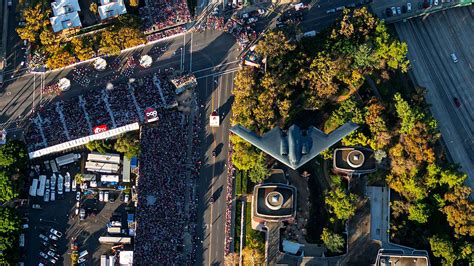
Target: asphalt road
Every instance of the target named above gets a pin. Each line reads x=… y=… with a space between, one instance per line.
x=431 y=41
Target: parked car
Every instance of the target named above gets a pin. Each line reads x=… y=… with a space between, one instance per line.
x=43 y=255
x=47 y=183
x=394 y=10
x=55 y=232
x=46 y=195
x=329 y=11
x=53 y=195
x=43 y=237
x=388 y=12
x=106 y=196
x=101 y=195
x=82 y=214
x=53 y=237
x=78 y=196
x=10 y=3
x=51 y=254
x=404 y=9
x=399 y=10
x=409 y=7
x=36 y=206
x=53 y=260
x=25 y=226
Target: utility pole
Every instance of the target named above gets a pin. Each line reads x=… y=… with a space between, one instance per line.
x=191 y=54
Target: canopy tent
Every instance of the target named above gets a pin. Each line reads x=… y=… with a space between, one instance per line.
x=100 y=64
x=64 y=84
x=145 y=61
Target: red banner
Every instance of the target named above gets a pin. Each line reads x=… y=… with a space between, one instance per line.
x=151 y=115
x=100 y=129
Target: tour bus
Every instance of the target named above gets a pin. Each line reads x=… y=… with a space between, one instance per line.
x=42 y=186
x=34 y=187
x=102 y=167
x=115 y=240
x=54 y=167
x=67 y=159
x=104 y=158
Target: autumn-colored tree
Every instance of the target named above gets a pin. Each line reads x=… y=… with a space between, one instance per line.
x=374 y=118
x=61 y=58
x=82 y=49
x=460 y=211
x=274 y=47
x=129 y=37
x=253 y=256
x=109 y=44
x=321 y=77
x=36 y=19
x=93 y=8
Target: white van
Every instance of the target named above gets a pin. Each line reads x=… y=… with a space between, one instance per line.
x=106 y=196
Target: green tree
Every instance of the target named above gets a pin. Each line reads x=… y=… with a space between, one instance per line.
x=418 y=212
x=259 y=171
x=333 y=242
x=340 y=203
x=79 y=178
x=443 y=248
x=8 y=190
x=408 y=115
x=99 y=146
x=13 y=154
x=128 y=145
x=9 y=229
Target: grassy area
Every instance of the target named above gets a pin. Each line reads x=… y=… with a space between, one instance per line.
x=253 y=238
x=241 y=183
x=237 y=226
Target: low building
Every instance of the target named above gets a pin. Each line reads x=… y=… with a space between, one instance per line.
x=274 y=202
x=354 y=161
x=66 y=15
x=111 y=8
x=387 y=257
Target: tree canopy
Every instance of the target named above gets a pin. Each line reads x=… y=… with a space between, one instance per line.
x=340 y=203
x=333 y=242
x=128 y=144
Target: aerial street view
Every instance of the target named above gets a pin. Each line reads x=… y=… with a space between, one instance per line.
x=237 y=132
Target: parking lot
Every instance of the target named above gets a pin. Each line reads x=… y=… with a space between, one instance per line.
x=441 y=53
x=61 y=214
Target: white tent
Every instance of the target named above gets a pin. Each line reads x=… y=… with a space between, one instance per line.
x=64 y=84
x=145 y=61
x=100 y=64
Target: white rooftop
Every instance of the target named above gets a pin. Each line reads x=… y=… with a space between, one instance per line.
x=111 y=8
x=61 y=7
x=65 y=21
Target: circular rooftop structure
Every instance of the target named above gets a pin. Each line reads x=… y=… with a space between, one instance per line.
x=274 y=200
x=355 y=159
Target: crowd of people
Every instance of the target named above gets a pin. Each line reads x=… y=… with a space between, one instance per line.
x=243 y=32
x=159 y=15
x=165 y=33
x=229 y=198
x=164 y=210
x=125 y=103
